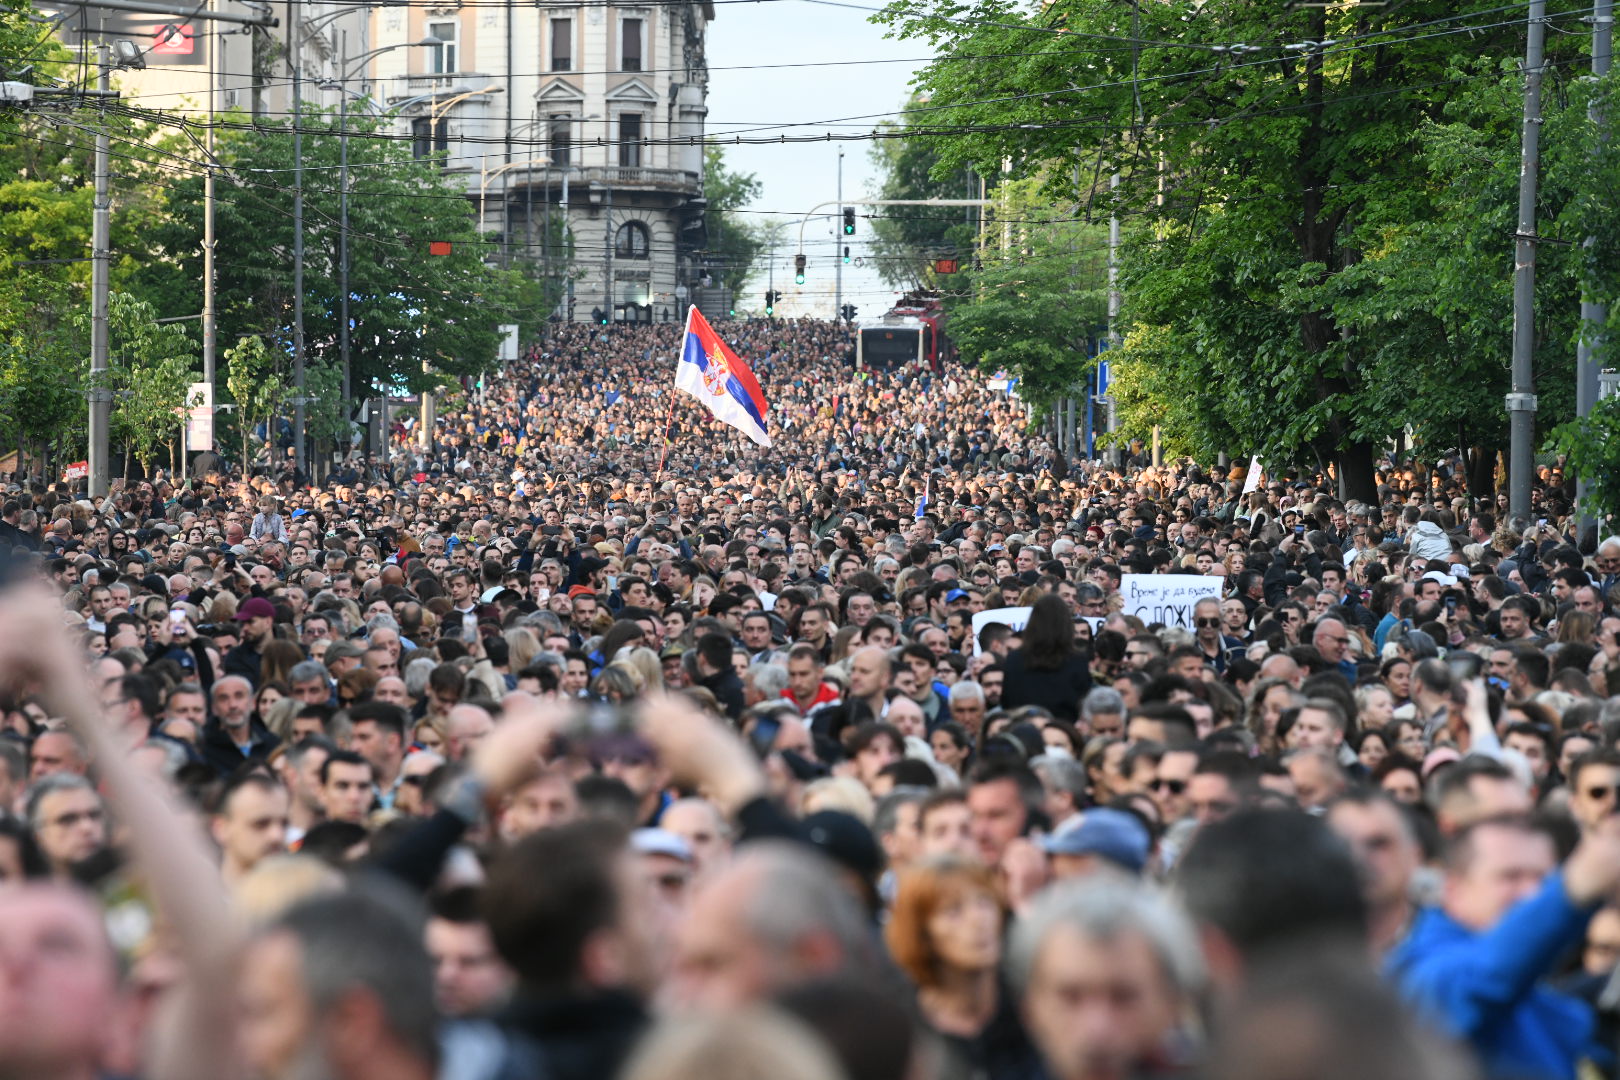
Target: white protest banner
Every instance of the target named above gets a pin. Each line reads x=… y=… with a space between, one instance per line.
x=1166 y=598
x=1014 y=617
x=1251 y=481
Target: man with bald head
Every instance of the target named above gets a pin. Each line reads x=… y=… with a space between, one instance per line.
x=469 y=726
x=1282 y=666
x=870 y=676
x=391 y=688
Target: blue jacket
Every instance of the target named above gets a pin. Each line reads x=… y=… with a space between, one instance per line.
x=1485 y=988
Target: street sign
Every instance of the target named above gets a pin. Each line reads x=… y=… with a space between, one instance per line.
x=509 y=342
x=200 y=417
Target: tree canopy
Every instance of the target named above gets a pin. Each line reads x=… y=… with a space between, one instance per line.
x=1317 y=201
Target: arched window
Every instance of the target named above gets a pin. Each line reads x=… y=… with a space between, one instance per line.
x=633 y=241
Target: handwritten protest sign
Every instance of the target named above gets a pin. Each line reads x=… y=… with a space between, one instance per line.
x=1166 y=598
x=1014 y=618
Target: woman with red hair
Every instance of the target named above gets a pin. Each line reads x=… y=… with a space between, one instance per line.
x=945 y=932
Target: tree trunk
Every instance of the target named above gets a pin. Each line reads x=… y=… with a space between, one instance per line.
x=1482 y=473
x=1358 y=477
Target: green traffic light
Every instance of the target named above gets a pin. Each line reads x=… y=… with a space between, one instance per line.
x=798 y=279
x=770 y=311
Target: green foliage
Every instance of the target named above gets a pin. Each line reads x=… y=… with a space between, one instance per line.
x=42 y=352
x=907 y=239
x=256 y=378
x=1039 y=300
x=149 y=369
x=407 y=307
x=734 y=245
x=1318 y=238
x=1592 y=450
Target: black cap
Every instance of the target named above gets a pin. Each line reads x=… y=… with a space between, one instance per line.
x=843 y=839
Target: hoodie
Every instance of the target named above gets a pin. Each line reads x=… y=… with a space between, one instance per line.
x=1428 y=541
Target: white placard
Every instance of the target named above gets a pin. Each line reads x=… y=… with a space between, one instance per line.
x=1014 y=617
x=200 y=417
x=1251 y=481
x=1166 y=598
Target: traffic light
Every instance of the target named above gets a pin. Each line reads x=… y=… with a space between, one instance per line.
x=798 y=269
x=770 y=302
x=848 y=312
x=849 y=221
x=846 y=254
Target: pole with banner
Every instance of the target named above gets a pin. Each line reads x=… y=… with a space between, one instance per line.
x=198 y=433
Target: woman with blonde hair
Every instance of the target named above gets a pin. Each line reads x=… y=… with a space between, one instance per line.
x=649 y=669
x=521 y=648
x=842 y=643
x=842 y=793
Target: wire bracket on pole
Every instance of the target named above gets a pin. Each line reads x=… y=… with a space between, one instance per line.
x=1521 y=403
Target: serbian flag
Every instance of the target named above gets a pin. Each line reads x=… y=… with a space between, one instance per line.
x=715 y=376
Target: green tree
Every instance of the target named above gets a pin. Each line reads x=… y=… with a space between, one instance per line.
x=907 y=239
x=256 y=378
x=1263 y=157
x=409 y=309
x=1039 y=300
x=42 y=350
x=150 y=367
x=733 y=245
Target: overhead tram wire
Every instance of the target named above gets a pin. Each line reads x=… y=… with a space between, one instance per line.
x=737 y=137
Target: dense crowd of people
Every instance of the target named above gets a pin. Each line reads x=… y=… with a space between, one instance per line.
x=584 y=739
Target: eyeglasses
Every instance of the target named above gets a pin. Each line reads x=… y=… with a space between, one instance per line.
x=1208 y=621
x=1174 y=787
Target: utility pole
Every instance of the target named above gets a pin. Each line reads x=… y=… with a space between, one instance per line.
x=838 y=262
x=1521 y=403
x=343 y=226
x=209 y=343
x=1113 y=307
x=100 y=286
x=295 y=42
x=1593 y=314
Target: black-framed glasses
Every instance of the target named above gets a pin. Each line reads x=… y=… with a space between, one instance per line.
x=1174 y=787
x=1208 y=621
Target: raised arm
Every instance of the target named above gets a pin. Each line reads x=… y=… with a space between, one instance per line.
x=192 y=1037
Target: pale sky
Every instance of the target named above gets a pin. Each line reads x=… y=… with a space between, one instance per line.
x=798 y=176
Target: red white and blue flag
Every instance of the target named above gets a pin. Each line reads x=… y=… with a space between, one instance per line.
x=713 y=374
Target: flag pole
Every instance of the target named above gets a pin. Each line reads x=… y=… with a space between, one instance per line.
x=670 y=419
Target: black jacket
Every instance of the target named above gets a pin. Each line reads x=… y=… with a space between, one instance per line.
x=225 y=756
x=579 y=1038
x=244 y=660
x=727 y=690
x=1060 y=691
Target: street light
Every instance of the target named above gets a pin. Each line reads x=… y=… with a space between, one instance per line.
x=486 y=174
x=348 y=69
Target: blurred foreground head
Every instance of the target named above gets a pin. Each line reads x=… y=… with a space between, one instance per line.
x=1262 y=879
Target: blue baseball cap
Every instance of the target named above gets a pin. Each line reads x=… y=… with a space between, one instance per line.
x=1113 y=834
